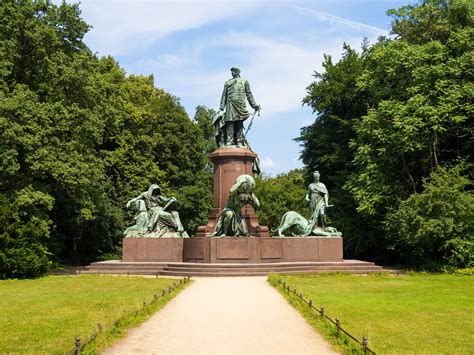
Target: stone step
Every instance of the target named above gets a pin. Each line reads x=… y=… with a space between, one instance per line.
x=227 y=269
x=273 y=268
x=263 y=273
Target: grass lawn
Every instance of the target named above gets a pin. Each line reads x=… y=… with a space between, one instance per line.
x=409 y=314
x=46 y=314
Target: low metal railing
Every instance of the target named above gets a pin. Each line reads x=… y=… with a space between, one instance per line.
x=79 y=343
x=364 y=342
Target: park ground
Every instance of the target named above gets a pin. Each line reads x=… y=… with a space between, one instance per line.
x=413 y=313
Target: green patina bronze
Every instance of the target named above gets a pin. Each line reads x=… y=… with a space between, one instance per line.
x=294 y=224
x=230 y=221
x=229 y=121
x=157 y=216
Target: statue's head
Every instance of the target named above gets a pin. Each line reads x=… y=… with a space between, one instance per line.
x=245 y=184
x=316 y=175
x=235 y=70
x=154 y=190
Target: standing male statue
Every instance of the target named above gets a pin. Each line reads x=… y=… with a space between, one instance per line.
x=233 y=109
x=294 y=224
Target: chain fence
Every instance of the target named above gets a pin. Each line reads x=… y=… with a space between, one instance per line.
x=364 y=343
x=79 y=343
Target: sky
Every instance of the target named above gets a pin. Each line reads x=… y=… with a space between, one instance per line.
x=190 y=46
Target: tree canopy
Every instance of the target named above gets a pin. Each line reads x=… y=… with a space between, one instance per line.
x=390 y=117
x=80 y=137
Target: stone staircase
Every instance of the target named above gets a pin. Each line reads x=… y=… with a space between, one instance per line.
x=228 y=269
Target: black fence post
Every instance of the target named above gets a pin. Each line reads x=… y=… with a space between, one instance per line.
x=322 y=312
x=99 y=326
x=310 y=303
x=163 y=293
x=338 y=325
x=365 y=343
x=77 y=349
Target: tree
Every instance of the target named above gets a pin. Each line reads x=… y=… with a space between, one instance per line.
x=81 y=138
x=338 y=104
x=436 y=226
x=280 y=194
x=411 y=115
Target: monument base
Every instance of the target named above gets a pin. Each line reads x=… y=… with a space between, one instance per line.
x=262 y=250
x=217 y=250
x=152 y=249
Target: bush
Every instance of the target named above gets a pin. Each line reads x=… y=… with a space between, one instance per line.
x=25 y=262
x=435 y=227
x=24 y=230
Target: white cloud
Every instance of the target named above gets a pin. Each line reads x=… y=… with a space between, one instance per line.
x=267 y=162
x=124 y=26
x=278 y=71
x=333 y=19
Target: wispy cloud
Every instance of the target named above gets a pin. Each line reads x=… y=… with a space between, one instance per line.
x=267 y=162
x=124 y=26
x=333 y=19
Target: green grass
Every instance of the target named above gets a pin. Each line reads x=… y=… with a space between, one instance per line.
x=408 y=314
x=46 y=315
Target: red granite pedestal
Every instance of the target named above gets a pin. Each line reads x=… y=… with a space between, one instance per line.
x=152 y=249
x=262 y=249
x=229 y=164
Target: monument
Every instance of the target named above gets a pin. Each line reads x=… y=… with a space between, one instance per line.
x=232 y=233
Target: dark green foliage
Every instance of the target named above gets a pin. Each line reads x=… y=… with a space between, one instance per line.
x=280 y=194
x=25 y=228
x=389 y=117
x=203 y=117
x=435 y=226
x=78 y=133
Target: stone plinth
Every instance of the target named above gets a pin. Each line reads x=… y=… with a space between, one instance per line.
x=152 y=249
x=262 y=250
x=230 y=163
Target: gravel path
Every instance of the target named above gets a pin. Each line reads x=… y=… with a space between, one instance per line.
x=222 y=316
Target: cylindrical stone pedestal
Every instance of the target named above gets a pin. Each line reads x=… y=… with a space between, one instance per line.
x=230 y=163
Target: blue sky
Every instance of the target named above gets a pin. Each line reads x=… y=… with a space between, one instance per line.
x=189 y=47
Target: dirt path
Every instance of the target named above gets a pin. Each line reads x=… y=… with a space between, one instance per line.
x=222 y=316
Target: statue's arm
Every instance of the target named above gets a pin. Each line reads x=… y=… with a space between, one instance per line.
x=255 y=203
x=223 y=98
x=250 y=98
x=308 y=194
x=140 y=197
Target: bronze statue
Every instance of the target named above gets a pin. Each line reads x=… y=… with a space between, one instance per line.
x=318 y=200
x=294 y=224
x=230 y=222
x=229 y=121
x=157 y=215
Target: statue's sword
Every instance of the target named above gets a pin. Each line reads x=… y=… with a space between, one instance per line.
x=251 y=122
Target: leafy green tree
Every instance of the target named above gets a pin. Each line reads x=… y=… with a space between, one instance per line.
x=79 y=134
x=421 y=118
x=280 y=194
x=436 y=226
x=339 y=105
x=410 y=114
x=203 y=118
